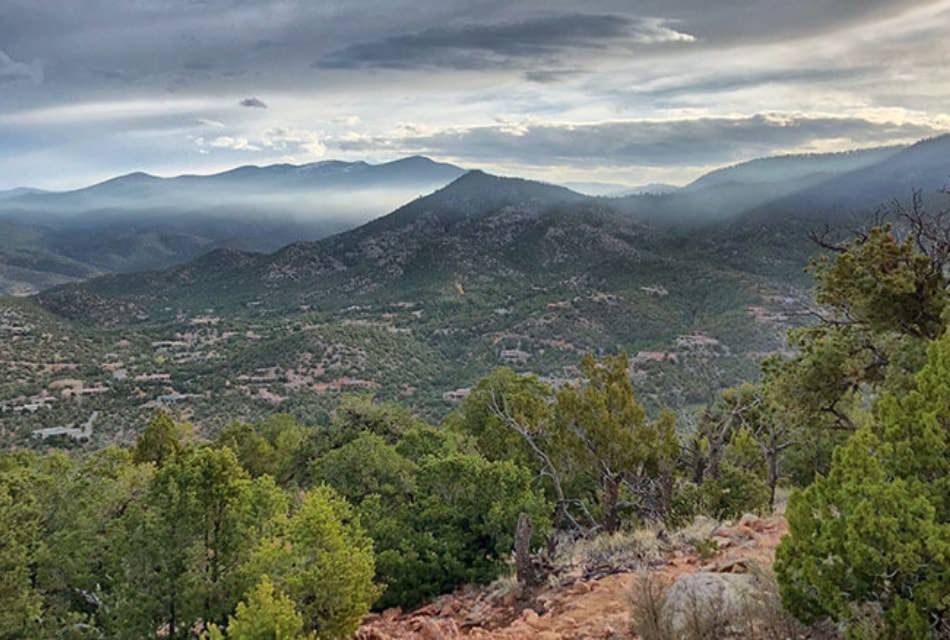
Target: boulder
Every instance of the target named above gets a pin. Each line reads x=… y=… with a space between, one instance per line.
x=749 y=520
x=715 y=602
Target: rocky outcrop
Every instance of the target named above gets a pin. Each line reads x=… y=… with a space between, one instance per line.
x=578 y=607
x=715 y=598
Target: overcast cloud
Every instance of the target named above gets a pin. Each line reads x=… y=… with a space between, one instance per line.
x=615 y=90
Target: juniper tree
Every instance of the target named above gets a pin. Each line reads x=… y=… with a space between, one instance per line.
x=876 y=531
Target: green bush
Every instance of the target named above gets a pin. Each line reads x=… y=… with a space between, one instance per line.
x=367 y=465
x=736 y=491
x=264 y=614
x=738 y=486
x=875 y=534
x=459 y=528
x=324 y=561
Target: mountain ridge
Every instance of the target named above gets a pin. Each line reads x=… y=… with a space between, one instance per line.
x=138 y=178
x=139 y=221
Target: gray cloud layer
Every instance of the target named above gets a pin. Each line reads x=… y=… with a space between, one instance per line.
x=694 y=142
x=11 y=69
x=480 y=46
x=103 y=86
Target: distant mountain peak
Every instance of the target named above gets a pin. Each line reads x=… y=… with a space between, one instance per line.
x=16 y=192
x=324 y=164
x=478 y=182
x=475 y=194
x=790 y=167
x=136 y=177
x=416 y=159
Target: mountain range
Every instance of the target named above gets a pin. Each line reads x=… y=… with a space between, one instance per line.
x=140 y=221
x=482 y=226
x=484 y=271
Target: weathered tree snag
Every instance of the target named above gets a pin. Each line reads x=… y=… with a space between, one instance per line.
x=610 y=503
x=523 y=564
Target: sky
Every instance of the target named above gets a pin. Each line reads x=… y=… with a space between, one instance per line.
x=620 y=91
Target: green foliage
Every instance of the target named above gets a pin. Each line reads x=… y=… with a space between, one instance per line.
x=410 y=565
x=162 y=440
x=101 y=546
x=20 y=534
x=183 y=545
x=264 y=614
x=356 y=414
x=739 y=485
x=277 y=446
x=425 y=440
x=471 y=506
x=885 y=283
x=324 y=561
x=81 y=550
x=439 y=520
x=706 y=549
x=743 y=452
x=603 y=434
x=458 y=530
x=883 y=298
x=221 y=497
x=736 y=491
x=367 y=465
x=523 y=398
x=876 y=531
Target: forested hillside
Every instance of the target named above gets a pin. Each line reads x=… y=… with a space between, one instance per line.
x=475 y=320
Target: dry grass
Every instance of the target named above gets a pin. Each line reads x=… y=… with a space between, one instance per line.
x=616 y=552
x=647 y=600
x=700 y=530
x=504 y=588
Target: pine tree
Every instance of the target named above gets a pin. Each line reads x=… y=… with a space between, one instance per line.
x=264 y=614
x=324 y=561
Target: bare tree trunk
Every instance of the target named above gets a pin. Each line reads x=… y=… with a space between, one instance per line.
x=523 y=566
x=711 y=469
x=772 y=454
x=173 y=600
x=699 y=470
x=666 y=494
x=609 y=500
x=773 y=479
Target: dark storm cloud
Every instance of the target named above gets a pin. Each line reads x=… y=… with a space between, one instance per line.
x=550 y=76
x=476 y=46
x=255 y=103
x=646 y=143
